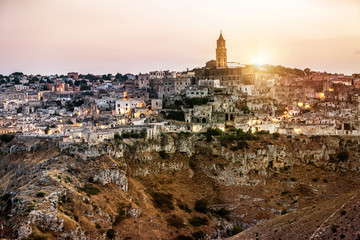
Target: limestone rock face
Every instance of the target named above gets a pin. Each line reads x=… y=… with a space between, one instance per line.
x=106 y=176
x=60 y=176
x=44 y=219
x=133 y=212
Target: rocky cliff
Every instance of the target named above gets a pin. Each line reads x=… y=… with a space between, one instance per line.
x=184 y=186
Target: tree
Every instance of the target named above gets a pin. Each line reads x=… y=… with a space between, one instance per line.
x=201 y=206
x=47 y=130
x=179 y=115
x=34 y=79
x=106 y=77
x=84 y=87
x=118 y=76
x=343 y=156
x=6 y=138
x=17 y=74
x=245 y=109
x=124 y=77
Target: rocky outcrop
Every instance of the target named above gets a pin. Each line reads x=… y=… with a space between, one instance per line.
x=116 y=176
x=45 y=219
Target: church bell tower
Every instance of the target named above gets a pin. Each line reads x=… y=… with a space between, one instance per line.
x=221 y=58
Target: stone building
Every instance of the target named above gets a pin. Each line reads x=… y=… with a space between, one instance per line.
x=219 y=69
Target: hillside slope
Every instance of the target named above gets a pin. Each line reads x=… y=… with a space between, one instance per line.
x=137 y=189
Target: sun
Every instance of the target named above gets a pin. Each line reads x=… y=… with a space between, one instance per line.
x=259 y=60
x=261 y=57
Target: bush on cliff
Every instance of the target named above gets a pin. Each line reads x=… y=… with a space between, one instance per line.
x=163 y=154
x=111 y=233
x=6 y=138
x=163 y=201
x=212 y=132
x=175 y=221
x=142 y=134
x=198 y=221
x=90 y=190
x=342 y=156
x=276 y=135
x=201 y=206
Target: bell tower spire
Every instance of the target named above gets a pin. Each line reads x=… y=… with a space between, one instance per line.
x=221 y=52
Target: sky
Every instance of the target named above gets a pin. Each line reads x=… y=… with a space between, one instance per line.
x=133 y=36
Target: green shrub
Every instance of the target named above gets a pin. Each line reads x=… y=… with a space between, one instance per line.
x=192 y=164
x=142 y=134
x=90 y=190
x=236 y=230
x=276 y=135
x=179 y=102
x=198 y=221
x=175 y=221
x=6 y=138
x=40 y=194
x=176 y=115
x=111 y=233
x=183 y=237
x=343 y=212
x=239 y=134
x=29 y=209
x=325 y=180
x=98 y=226
x=315 y=179
x=222 y=212
x=262 y=132
x=163 y=201
x=284 y=211
x=293 y=179
x=214 y=132
x=68 y=179
x=185 y=134
x=245 y=109
x=201 y=206
x=121 y=216
x=163 y=154
x=172 y=106
x=185 y=207
x=196 y=101
x=198 y=235
x=117 y=136
x=240 y=145
x=342 y=156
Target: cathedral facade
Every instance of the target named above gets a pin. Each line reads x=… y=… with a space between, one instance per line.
x=219 y=69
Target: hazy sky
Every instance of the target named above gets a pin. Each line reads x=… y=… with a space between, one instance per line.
x=109 y=36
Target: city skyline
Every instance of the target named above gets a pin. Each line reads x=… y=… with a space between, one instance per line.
x=49 y=37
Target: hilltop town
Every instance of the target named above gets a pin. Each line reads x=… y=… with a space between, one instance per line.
x=224 y=95
x=225 y=150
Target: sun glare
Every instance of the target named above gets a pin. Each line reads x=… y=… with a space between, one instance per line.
x=260 y=60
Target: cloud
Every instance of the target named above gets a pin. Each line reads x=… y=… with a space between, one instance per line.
x=357 y=52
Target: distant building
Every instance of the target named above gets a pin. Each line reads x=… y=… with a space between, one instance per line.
x=125 y=106
x=73 y=75
x=197 y=92
x=212 y=83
